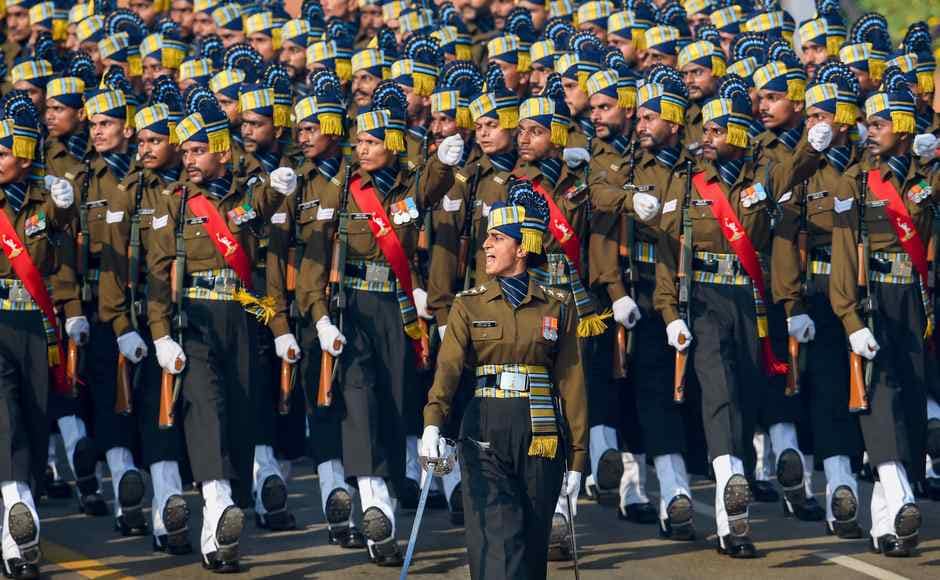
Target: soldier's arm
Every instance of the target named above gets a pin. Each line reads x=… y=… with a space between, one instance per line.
x=279 y=234
x=785 y=257
x=666 y=295
x=161 y=252
x=113 y=307
x=315 y=266
x=569 y=379
x=843 y=283
x=606 y=192
x=796 y=169
x=64 y=280
x=442 y=271
x=436 y=180
x=450 y=363
x=603 y=260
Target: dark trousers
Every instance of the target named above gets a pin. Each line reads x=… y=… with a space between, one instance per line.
x=156 y=444
x=509 y=497
x=24 y=388
x=99 y=361
x=326 y=438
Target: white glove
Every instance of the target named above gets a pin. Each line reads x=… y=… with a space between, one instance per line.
x=645 y=205
x=168 y=353
x=626 y=312
x=925 y=146
x=77 y=329
x=285 y=346
x=862 y=132
x=284 y=180
x=802 y=328
x=328 y=335
x=571 y=485
x=421 y=303
x=820 y=136
x=450 y=151
x=431 y=443
x=440 y=331
x=863 y=343
x=674 y=330
x=132 y=346
x=575 y=156
x=63 y=195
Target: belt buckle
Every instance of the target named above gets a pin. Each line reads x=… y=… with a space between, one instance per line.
x=19 y=294
x=726 y=267
x=511 y=381
x=559 y=268
x=223 y=284
x=901 y=268
x=376 y=273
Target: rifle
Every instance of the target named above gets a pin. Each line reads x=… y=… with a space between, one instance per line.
x=793 y=345
x=336 y=291
x=425 y=233
x=295 y=253
x=71 y=367
x=123 y=400
x=860 y=370
x=685 y=280
x=82 y=240
x=623 y=341
x=466 y=254
x=170 y=384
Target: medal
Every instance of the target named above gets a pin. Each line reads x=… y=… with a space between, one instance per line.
x=36 y=223
x=550 y=328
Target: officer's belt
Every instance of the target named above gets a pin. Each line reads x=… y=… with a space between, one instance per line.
x=644 y=253
x=820 y=261
x=14 y=296
x=508 y=381
x=217 y=284
x=370 y=273
x=716 y=268
x=891 y=268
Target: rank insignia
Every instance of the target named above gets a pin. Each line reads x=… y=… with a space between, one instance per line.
x=36 y=223
x=242 y=213
x=550 y=328
x=753 y=194
x=919 y=192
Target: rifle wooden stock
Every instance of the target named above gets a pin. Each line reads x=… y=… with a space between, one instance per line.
x=290 y=276
x=678 y=385
x=288 y=374
x=862 y=267
x=334 y=261
x=325 y=389
x=858 y=394
x=71 y=367
x=169 y=391
x=621 y=341
x=174 y=293
x=423 y=239
x=424 y=358
x=793 y=373
x=463 y=251
x=123 y=403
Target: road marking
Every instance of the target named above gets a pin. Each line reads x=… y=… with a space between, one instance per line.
x=77 y=562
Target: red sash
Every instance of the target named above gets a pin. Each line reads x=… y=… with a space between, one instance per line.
x=740 y=243
x=221 y=237
x=561 y=228
x=29 y=275
x=901 y=220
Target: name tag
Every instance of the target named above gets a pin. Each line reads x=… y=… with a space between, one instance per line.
x=325 y=213
x=279 y=218
x=700 y=202
x=114 y=217
x=878 y=203
x=499 y=180
x=670 y=206
x=359 y=216
x=146 y=211
x=96 y=204
x=195 y=221
x=160 y=222
x=483 y=324
x=309 y=204
x=816 y=195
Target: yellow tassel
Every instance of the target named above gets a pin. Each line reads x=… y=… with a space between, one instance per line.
x=543 y=446
x=671 y=112
x=174 y=140
x=582 y=80
x=464 y=119
x=463 y=52
x=902 y=122
x=424 y=84
x=373 y=42
x=331 y=123
x=24 y=147
x=639 y=38
x=876 y=69
x=796 y=90
x=594 y=324
x=261 y=308
x=129 y=112
x=135 y=65
x=53 y=354
x=719 y=68
x=525 y=61
x=281 y=116
x=531 y=240
x=833 y=43
x=559 y=134
x=788 y=36
x=171 y=58
x=276 y=40
x=386 y=73
x=219 y=142
x=626 y=97
x=413 y=330
x=737 y=136
x=343 y=69
x=762 y=326
x=394 y=140
x=846 y=113
x=925 y=82
x=928 y=332
x=508 y=117
x=60 y=29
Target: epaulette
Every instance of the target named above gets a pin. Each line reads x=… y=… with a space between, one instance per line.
x=559 y=295
x=473 y=291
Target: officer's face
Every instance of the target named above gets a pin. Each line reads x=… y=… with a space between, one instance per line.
x=263 y=44
x=535 y=141
x=442 y=126
x=727 y=39
x=92 y=49
x=624 y=45
x=363 y=85
x=777 y=111
x=608 y=117
x=338 y=8
x=108 y=134
x=258 y=131
x=504 y=255
x=144 y=9
x=12 y=169
x=865 y=82
x=882 y=140
x=699 y=80
x=697 y=20
x=230 y=106
x=654 y=57
x=370 y=19
x=815 y=116
x=294 y=57
x=653 y=132
x=416 y=103
x=813 y=56
x=599 y=31
x=537 y=78
x=181 y=12
x=312 y=142
x=200 y=164
x=60 y=120
x=500 y=10
x=71 y=40
x=715 y=143
x=575 y=97
x=17 y=23
x=491 y=137
x=511 y=75
x=203 y=24
x=153 y=68
x=230 y=37
x=36 y=95
x=154 y=150
x=372 y=152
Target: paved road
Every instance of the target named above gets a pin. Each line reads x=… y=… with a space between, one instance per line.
x=77 y=546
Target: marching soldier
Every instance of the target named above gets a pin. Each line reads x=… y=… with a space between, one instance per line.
x=517 y=446
x=206 y=221
x=887 y=311
x=702 y=65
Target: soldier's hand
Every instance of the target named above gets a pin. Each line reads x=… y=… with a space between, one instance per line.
x=626 y=312
x=284 y=180
x=421 y=303
x=331 y=339
x=676 y=329
x=801 y=327
x=450 y=151
x=77 y=329
x=863 y=343
x=430 y=443
x=925 y=146
x=168 y=353
x=132 y=346
x=820 y=136
x=645 y=205
x=440 y=331
x=575 y=156
x=63 y=195
x=287 y=348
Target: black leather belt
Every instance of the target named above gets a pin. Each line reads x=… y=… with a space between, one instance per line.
x=360 y=271
x=214 y=283
x=729 y=267
x=821 y=254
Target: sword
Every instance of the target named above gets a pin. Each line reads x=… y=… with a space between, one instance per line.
x=438 y=466
x=574 y=540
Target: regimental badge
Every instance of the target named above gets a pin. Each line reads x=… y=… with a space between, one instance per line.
x=574 y=190
x=404 y=211
x=550 y=328
x=242 y=213
x=919 y=192
x=36 y=223
x=753 y=194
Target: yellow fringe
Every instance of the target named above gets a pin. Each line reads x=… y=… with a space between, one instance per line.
x=525 y=61
x=626 y=97
x=531 y=240
x=413 y=330
x=796 y=90
x=171 y=58
x=594 y=324
x=762 y=327
x=219 y=142
x=394 y=140
x=24 y=147
x=639 y=38
x=386 y=73
x=508 y=118
x=876 y=69
x=424 y=84
x=261 y=308
x=582 y=80
x=331 y=123
x=671 y=112
x=276 y=39
x=174 y=140
x=343 y=69
x=928 y=332
x=833 y=43
x=719 y=68
x=373 y=42
x=281 y=116
x=544 y=446
x=902 y=122
x=60 y=29
x=559 y=134
x=53 y=354
x=846 y=113
x=737 y=136
x=130 y=111
x=464 y=119
x=463 y=52
x=925 y=82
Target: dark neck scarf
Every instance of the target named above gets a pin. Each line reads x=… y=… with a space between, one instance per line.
x=755 y=128
x=551 y=169
x=922 y=121
x=170 y=174
x=118 y=163
x=237 y=137
x=620 y=143
x=329 y=167
x=790 y=137
x=384 y=179
x=77 y=144
x=269 y=160
x=899 y=165
x=515 y=288
x=418 y=132
x=730 y=170
x=668 y=156
x=16 y=195
x=839 y=157
x=504 y=161
x=587 y=126
x=219 y=188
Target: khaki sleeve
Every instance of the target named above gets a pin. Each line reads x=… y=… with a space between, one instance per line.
x=450 y=362
x=569 y=380
x=785 y=257
x=65 y=279
x=314 y=275
x=161 y=252
x=442 y=271
x=279 y=243
x=607 y=196
x=843 y=283
x=603 y=259
x=798 y=168
x=666 y=295
x=436 y=180
x=113 y=306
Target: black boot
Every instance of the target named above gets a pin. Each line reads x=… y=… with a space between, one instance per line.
x=678 y=525
x=131 y=492
x=274 y=499
x=559 y=542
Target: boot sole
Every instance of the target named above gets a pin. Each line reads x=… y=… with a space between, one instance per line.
x=338 y=507
x=84 y=459
x=609 y=470
x=375 y=525
x=24 y=532
x=228 y=532
x=737 y=497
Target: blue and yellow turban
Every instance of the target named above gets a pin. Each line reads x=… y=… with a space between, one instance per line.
x=523 y=216
x=506 y=48
x=894 y=102
x=497 y=102
x=549 y=110
x=704 y=53
x=110 y=103
x=67 y=90
x=731 y=109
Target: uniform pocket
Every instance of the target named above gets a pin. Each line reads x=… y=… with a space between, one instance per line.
x=485 y=333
